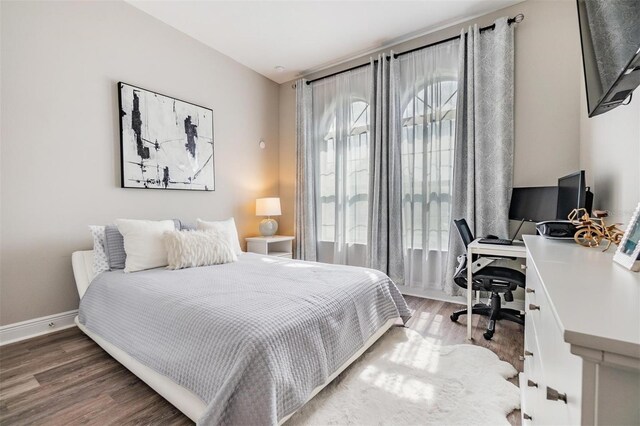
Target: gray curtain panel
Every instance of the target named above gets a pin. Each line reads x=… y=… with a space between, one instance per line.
x=305 y=206
x=396 y=244
x=483 y=165
x=377 y=238
x=384 y=240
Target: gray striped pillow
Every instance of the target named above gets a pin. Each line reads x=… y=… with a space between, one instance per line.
x=114 y=247
x=114 y=244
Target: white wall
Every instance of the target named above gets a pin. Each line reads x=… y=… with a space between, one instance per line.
x=547 y=91
x=287 y=171
x=59 y=151
x=610 y=154
x=60 y=163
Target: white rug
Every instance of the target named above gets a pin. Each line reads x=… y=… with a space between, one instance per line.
x=406 y=380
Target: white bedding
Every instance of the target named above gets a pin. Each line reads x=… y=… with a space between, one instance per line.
x=284 y=329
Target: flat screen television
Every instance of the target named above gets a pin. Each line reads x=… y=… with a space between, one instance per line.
x=573 y=194
x=610 y=37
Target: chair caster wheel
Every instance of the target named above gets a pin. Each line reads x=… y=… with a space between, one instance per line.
x=487 y=335
x=454 y=317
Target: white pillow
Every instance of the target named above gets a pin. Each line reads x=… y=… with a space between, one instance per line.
x=100 y=260
x=143 y=243
x=188 y=249
x=225 y=227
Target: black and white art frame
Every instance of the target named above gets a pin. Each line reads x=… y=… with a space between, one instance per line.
x=165 y=142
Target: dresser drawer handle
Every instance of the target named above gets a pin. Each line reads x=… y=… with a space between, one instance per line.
x=554 y=395
x=530 y=290
x=532 y=384
x=526 y=353
x=526 y=416
x=533 y=307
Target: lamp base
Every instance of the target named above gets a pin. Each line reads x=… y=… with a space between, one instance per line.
x=268 y=227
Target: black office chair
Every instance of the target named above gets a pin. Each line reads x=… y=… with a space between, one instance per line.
x=490 y=278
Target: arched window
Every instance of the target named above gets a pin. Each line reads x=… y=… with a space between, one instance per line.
x=343 y=183
x=427 y=143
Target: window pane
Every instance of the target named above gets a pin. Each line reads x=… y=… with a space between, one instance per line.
x=326 y=186
x=343 y=175
x=427 y=142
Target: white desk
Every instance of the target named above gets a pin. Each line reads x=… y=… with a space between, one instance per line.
x=516 y=250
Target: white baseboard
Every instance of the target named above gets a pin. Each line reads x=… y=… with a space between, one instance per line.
x=431 y=294
x=18 y=331
x=460 y=300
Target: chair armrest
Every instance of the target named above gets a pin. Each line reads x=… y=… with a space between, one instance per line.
x=494 y=257
x=481 y=263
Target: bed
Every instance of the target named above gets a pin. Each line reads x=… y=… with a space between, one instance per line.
x=242 y=343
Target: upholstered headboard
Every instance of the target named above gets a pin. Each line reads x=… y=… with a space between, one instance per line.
x=82 y=262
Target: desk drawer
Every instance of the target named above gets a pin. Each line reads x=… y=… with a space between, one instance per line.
x=528 y=400
x=557 y=369
x=533 y=284
x=533 y=378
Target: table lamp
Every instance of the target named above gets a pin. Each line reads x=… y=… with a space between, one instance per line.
x=268 y=207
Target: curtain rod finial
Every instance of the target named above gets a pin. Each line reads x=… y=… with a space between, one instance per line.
x=518 y=18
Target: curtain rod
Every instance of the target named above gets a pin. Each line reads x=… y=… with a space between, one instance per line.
x=515 y=20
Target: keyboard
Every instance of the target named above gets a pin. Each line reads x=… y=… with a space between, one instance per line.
x=496 y=241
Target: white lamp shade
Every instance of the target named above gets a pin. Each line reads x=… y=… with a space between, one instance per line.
x=268 y=206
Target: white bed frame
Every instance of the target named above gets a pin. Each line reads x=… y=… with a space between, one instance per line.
x=183 y=399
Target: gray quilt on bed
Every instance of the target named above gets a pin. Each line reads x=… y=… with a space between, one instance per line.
x=252 y=338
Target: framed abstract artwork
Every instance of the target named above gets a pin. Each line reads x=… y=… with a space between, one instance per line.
x=165 y=143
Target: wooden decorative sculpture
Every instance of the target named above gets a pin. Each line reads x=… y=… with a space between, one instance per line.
x=591 y=231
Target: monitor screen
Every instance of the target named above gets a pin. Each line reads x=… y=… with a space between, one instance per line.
x=536 y=203
x=571 y=194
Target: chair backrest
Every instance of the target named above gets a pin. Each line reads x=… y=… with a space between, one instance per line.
x=464 y=231
x=460 y=275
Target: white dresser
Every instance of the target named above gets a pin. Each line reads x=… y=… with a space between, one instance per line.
x=582 y=337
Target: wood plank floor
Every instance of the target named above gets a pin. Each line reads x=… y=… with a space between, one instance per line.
x=65 y=378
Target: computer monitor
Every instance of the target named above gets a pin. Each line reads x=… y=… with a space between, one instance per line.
x=572 y=194
x=534 y=203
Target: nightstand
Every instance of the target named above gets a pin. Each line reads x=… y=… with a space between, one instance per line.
x=278 y=245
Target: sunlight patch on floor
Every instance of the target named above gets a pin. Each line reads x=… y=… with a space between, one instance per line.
x=399 y=385
x=408 y=380
x=422 y=355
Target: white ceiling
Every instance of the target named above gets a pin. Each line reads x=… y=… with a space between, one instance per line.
x=305 y=36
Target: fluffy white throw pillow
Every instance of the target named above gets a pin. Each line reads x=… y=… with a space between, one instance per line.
x=187 y=249
x=100 y=261
x=226 y=228
x=143 y=243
